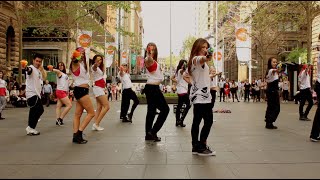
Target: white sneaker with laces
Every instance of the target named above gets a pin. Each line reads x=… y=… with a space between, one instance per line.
x=97 y=128
x=31 y=131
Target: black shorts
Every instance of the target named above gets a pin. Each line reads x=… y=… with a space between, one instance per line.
x=79 y=92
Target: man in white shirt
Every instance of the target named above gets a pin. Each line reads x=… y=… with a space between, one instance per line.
x=305 y=92
x=47 y=91
x=35 y=74
x=221 y=87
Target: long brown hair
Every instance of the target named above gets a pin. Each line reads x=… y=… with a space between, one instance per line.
x=196 y=48
x=155 y=51
x=94 y=60
x=64 y=67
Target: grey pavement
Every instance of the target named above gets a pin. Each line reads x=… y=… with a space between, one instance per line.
x=245 y=149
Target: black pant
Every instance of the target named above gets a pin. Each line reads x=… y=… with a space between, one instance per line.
x=155 y=100
x=109 y=95
x=36 y=110
x=305 y=94
x=247 y=94
x=127 y=95
x=234 y=93
x=222 y=93
x=257 y=93
x=213 y=95
x=201 y=111
x=273 y=106
x=182 y=99
x=47 y=96
x=285 y=95
x=316 y=122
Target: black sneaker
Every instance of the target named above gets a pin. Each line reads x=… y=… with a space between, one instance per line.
x=271 y=126
x=302 y=118
x=130 y=117
x=78 y=139
x=206 y=152
x=314 y=139
x=58 y=122
x=194 y=151
x=153 y=137
x=124 y=120
x=61 y=122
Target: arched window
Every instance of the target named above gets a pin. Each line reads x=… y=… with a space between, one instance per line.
x=9 y=44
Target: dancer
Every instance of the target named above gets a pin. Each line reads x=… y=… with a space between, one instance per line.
x=155 y=98
x=35 y=74
x=315 y=131
x=200 y=97
x=305 y=92
x=98 y=91
x=3 y=90
x=127 y=94
x=62 y=93
x=182 y=91
x=273 y=103
x=79 y=72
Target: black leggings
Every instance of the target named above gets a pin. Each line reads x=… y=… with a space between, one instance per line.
x=155 y=100
x=316 y=122
x=273 y=106
x=127 y=95
x=36 y=110
x=247 y=94
x=213 y=95
x=182 y=99
x=285 y=95
x=201 y=111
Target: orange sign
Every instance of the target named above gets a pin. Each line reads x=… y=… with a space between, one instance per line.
x=124 y=55
x=219 y=56
x=241 y=34
x=85 y=40
x=110 y=49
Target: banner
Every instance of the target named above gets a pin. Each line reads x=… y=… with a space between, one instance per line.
x=110 y=50
x=84 y=40
x=124 y=57
x=218 y=60
x=243 y=42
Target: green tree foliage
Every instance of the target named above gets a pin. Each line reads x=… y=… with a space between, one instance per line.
x=187 y=46
x=294 y=55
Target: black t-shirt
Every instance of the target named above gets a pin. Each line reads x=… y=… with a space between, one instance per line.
x=247 y=86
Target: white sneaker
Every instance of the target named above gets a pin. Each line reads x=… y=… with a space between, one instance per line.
x=32 y=132
x=97 y=128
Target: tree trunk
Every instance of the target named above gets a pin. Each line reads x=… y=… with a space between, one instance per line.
x=309 y=33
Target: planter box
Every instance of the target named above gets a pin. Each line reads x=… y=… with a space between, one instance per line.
x=170 y=100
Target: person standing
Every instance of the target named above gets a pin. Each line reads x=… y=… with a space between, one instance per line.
x=221 y=86
x=80 y=75
x=315 y=130
x=273 y=103
x=305 y=92
x=233 y=89
x=285 y=89
x=247 y=87
x=3 y=91
x=35 y=74
x=98 y=91
x=47 y=90
x=62 y=93
x=155 y=98
x=200 y=97
x=182 y=91
x=127 y=94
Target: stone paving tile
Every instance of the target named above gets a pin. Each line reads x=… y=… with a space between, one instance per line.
x=245 y=149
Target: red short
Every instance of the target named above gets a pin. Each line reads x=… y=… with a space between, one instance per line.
x=61 y=94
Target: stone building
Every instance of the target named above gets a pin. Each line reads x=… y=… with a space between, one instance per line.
x=9 y=37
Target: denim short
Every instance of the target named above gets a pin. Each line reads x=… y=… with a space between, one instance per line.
x=79 y=92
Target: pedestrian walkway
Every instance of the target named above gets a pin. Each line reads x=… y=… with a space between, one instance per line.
x=245 y=149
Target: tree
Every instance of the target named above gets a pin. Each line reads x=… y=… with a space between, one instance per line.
x=187 y=46
x=294 y=55
x=311 y=9
x=67 y=16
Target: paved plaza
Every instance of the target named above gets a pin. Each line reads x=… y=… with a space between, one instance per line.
x=245 y=149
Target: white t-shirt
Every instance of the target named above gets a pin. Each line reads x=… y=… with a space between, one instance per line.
x=200 y=90
x=63 y=82
x=213 y=82
x=304 y=79
x=182 y=85
x=272 y=77
x=221 y=84
x=34 y=83
x=83 y=77
x=156 y=76
x=97 y=75
x=125 y=80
